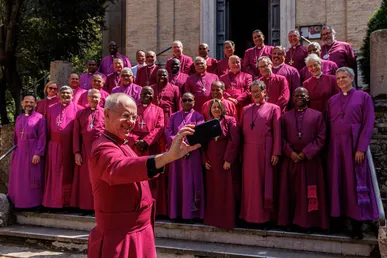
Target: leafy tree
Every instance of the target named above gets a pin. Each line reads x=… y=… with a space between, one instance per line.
x=378 y=21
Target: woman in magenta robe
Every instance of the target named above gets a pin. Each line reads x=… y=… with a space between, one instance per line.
x=302 y=195
x=261 y=130
x=26 y=175
x=219 y=158
x=51 y=90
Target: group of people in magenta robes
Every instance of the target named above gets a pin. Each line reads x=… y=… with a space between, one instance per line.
x=274 y=135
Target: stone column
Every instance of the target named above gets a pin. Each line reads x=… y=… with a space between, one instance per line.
x=60 y=72
x=288 y=20
x=378 y=59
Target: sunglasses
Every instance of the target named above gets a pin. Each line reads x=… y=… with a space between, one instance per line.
x=187 y=100
x=52 y=88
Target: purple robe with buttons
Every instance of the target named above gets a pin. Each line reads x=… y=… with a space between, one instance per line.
x=295 y=56
x=341 y=53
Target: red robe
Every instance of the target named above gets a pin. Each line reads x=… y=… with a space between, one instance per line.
x=291 y=74
x=122 y=200
x=320 y=91
x=179 y=80
x=212 y=66
x=295 y=56
x=168 y=98
x=113 y=80
x=327 y=67
x=220 y=190
x=44 y=104
x=231 y=110
x=85 y=103
x=236 y=84
x=277 y=90
x=251 y=57
x=200 y=87
x=341 y=53
x=83 y=137
x=147 y=76
x=185 y=64
x=302 y=197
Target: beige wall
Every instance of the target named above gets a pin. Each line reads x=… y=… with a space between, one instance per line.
x=348 y=17
x=152 y=25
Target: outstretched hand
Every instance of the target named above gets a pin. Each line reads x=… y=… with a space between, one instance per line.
x=178 y=147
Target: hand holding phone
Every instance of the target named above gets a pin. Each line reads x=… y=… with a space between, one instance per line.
x=205 y=132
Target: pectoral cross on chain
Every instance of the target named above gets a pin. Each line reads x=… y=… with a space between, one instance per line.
x=299 y=135
x=204 y=89
x=252 y=126
x=59 y=122
x=91 y=125
x=22 y=133
x=291 y=62
x=142 y=123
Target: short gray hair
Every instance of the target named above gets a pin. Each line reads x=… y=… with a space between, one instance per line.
x=264 y=58
x=127 y=69
x=92 y=91
x=177 y=42
x=316 y=45
x=312 y=58
x=115 y=99
x=330 y=28
x=349 y=70
x=261 y=85
x=66 y=87
x=200 y=58
x=295 y=32
x=280 y=48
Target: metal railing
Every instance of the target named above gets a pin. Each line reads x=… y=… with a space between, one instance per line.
x=8 y=152
x=162 y=52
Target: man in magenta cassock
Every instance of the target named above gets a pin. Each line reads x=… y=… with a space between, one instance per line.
x=97 y=84
x=106 y=66
x=253 y=54
x=185 y=190
x=86 y=78
x=261 y=130
x=321 y=87
x=123 y=203
x=128 y=86
x=176 y=77
x=327 y=67
x=212 y=63
x=302 y=194
x=88 y=126
x=114 y=79
x=147 y=74
x=199 y=84
x=296 y=54
x=351 y=122
x=228 y=50
x=51 y=90
x=60 y=158
x=26 y=175
x=185 y=61
x=75 y=85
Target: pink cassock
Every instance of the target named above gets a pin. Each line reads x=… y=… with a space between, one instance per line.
x=60 y=158
x=26 y=180
x=185 y=64
x=327 y=67
x=85 y=103
x=302 y=194
x=88 y=126
x=179 y=80
x=132 y=90
x=113 y=80
x=251 y=57
x=236 y=84
x=350 y=189
x=220 y=183
x=77 y=93
x=123 y=201
x=212 y=66
x=200 y=87
x=223 y=66
x=167 y=98
x=277 y=90
x=261 y=141
x=86 y=78
x=291 y=74
x=231 y=110
x=295 y=56
x=106 y=66
x=341 y=53
x=320 y=91
x=147 y=75
x=44 y=104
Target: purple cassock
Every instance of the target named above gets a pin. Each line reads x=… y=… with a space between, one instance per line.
x=106 y=66
x=223 y=66
x=26 y=180
x=179 y=80
x=88 y=126
x=222 y=185
x=327 y=67
x=85 y=103
x=291 y=74
x=341 y=53
x=60 y=157
x=167 y=98
x=86 y=78
x=302 y=196
x=113 y=80
x=320 y=91
x=185 y=178
x=251 y=57
x=236 y=84
x=44 y=104
x=132 y=90
x=147 y=75
x=185 y=64
x=231 y=109
x=277 y=90
x=200 y=86
x=77 y=93
x=351 y=122
x=212 y=66
x=261 y=129
x=295 y=56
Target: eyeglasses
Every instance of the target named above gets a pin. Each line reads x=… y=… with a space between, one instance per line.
x=187 y=100
x=52 y=88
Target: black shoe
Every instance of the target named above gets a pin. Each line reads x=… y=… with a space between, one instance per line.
x=356 y=232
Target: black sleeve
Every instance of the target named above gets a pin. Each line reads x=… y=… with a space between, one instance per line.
x=151 y=167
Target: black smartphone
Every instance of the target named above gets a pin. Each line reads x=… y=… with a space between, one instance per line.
x=205 y=132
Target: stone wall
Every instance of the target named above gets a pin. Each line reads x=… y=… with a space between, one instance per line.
x=6 y=141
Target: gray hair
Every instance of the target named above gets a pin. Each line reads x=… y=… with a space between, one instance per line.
x=316 y=45
x=280 y=48
x=295 y=32
x=128 y=70
x=229 y=42
x=349 y=70
x=330 y=28
x=66 y=87
x=312 y=58
x=264 y=58
x=200 y=58
x=98 y=75
x=93 y=91
x=177 y=42
x=261 y=85
x=222 y=86
x=115 y=99
x=233 y=57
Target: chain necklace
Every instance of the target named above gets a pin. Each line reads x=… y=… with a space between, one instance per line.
x=253 y=118
x=299 y=126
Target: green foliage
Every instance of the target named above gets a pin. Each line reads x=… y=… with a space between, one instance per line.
x=378 y=21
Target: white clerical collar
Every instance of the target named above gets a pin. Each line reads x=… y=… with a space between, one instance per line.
x=345 y=93
x=278 y=66
x=51 y=97
x=301 y=109
x=26 y=114
x=318 y=76
x=144 y=105
x=64 y=104
x=93 y=108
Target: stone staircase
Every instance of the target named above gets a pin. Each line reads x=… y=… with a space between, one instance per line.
x=66 y=235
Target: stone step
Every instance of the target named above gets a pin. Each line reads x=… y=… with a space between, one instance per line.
x=332 y=244
x=65 y=240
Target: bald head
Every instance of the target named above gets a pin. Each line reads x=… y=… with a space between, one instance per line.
x=203 y=50
x=146 y=95
x=300 y=98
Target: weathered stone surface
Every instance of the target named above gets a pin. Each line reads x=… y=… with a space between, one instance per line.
x=60 y=71
x=378 y=63
x=5 y=210
x=6 y=142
